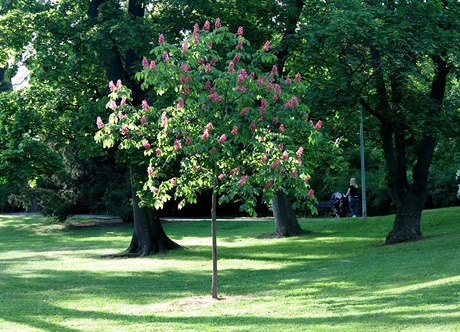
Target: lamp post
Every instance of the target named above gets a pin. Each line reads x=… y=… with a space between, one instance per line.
x=363 y=170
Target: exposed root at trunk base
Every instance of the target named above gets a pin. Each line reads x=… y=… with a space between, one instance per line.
x=142 y=253
x=399 y=237
x=279 y=235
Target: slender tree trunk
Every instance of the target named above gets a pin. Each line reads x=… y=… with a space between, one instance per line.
x=214 y=243
x=285 y=219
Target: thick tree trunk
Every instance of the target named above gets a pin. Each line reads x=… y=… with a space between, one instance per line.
x=285 y=219
x=408 y=196
x=407 y=226
x=149 y=236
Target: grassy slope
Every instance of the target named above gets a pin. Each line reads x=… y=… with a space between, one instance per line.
x=338 y=276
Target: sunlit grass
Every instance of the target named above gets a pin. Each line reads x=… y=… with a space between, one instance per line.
x=338 y=276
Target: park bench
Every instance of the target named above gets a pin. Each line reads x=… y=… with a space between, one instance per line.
x=324 y=209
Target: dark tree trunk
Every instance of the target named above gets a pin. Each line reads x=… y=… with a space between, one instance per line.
x=289 y=37
x=285 y=219
x=286 y=222
x=149 y=236
x=5 y=83
x=407 y=226
x=407 y=196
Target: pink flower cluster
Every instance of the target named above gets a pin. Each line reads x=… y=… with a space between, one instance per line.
x=150 y=170
x=222 y=139
x=215 y=98
x=99 y=122
x=146 y=145
x=291 y=103
x=177 y=145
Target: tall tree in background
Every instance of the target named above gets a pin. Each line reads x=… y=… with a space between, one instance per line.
x=120 y=58
x=396 y=60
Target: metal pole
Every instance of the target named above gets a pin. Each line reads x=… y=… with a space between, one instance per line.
x=363 y=169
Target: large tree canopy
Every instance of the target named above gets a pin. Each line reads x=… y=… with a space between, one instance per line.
x=398 y=61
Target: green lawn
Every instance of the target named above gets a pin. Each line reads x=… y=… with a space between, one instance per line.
x=336 y=277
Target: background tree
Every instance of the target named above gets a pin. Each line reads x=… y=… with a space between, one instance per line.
x=55 y=110
x=395 y=60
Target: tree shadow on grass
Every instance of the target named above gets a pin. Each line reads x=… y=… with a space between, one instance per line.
x=350 y=280
x=327 y=282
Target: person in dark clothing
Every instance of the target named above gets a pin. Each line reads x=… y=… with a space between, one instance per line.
x=353 y=197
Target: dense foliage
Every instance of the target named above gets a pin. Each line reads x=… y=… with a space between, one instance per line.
x=48 y=155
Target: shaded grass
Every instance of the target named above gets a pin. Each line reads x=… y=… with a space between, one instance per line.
x=337 y=276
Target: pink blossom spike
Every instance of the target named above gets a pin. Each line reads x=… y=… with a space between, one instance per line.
x=206 y=26
x=180 y=103
x=299 y=152
x=222 y=139
x=185 y=46
x=244 y=111
x=177 y=145
x=146 y=145
x=266 y=47
x=217 y=24
x=234 y=130
x=150 y=170
x=111 y=86
x=99 y=122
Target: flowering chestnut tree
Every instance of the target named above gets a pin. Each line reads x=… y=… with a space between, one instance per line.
x=230 y=126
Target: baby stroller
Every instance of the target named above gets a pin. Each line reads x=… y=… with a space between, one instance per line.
x=339 y=205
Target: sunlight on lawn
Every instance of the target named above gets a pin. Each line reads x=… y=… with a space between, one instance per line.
x=419 y=286
x=330 y=279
